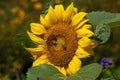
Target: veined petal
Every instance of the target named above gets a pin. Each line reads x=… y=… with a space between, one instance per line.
x=84 y=42
x=51 y=15
x=68 y=14
x=81 y=53
x=83 y=32
x=74 y=66
x=81 y=23
x=59 y=10
x=37 y=29
x=35 y=39
x=36 y=52
x=41 y=60
x=77 y=18
x=44 y=21
x=87 y=26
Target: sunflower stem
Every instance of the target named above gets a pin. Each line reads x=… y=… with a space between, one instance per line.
x=65 y=78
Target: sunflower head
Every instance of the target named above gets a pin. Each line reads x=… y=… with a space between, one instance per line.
x=63 y=39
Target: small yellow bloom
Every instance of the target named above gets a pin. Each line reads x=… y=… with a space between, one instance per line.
x=15 y=9
x=2 y=12
x=38 y=6
x=65 y=39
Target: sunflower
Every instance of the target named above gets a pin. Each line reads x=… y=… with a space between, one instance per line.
x=63 y=38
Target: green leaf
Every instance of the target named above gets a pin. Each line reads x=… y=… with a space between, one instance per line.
x=102 y=17
x=102 y=22
x=24 y=40
x=115 y=21
x=114 y=24
x=99 y=17
x=102 y=33
x=88 y=72
x=108 y=79
x=44 y=72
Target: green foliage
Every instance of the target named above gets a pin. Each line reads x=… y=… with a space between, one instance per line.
x=50 y=3
x=117 y=72
x=77 y=3
x=47 y=72
x=102 y=33
x=108 y=79
x=44 y=72
x=102 y=22
x=88 y=72
x=24 y=40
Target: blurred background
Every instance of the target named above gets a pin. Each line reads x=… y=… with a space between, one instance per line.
x=15 y=19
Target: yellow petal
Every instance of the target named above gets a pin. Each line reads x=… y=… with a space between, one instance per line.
x=35 y=51
x=73 y=66
x=75 y=10
x=37 y=29
x=59 y=10
x=84 y=42
x=51 y=15
x=35 y=39
x=87 y=26
x=68 y=14
x=41 y=60
x=93 y=43
x=61 y=69
x=44 y=21
x=81 y=23
x=81 y=53
x=78 y=17
x=89 y=49
x=83 y=32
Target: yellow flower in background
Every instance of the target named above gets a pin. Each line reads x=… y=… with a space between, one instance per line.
x=63 y=39
x=2 y=12
x=38 y=6
x=15 y=9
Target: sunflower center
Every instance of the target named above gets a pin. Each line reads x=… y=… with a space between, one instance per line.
x=61 y=44
x=58 y=42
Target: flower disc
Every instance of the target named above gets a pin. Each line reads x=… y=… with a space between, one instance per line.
x=61 y=41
